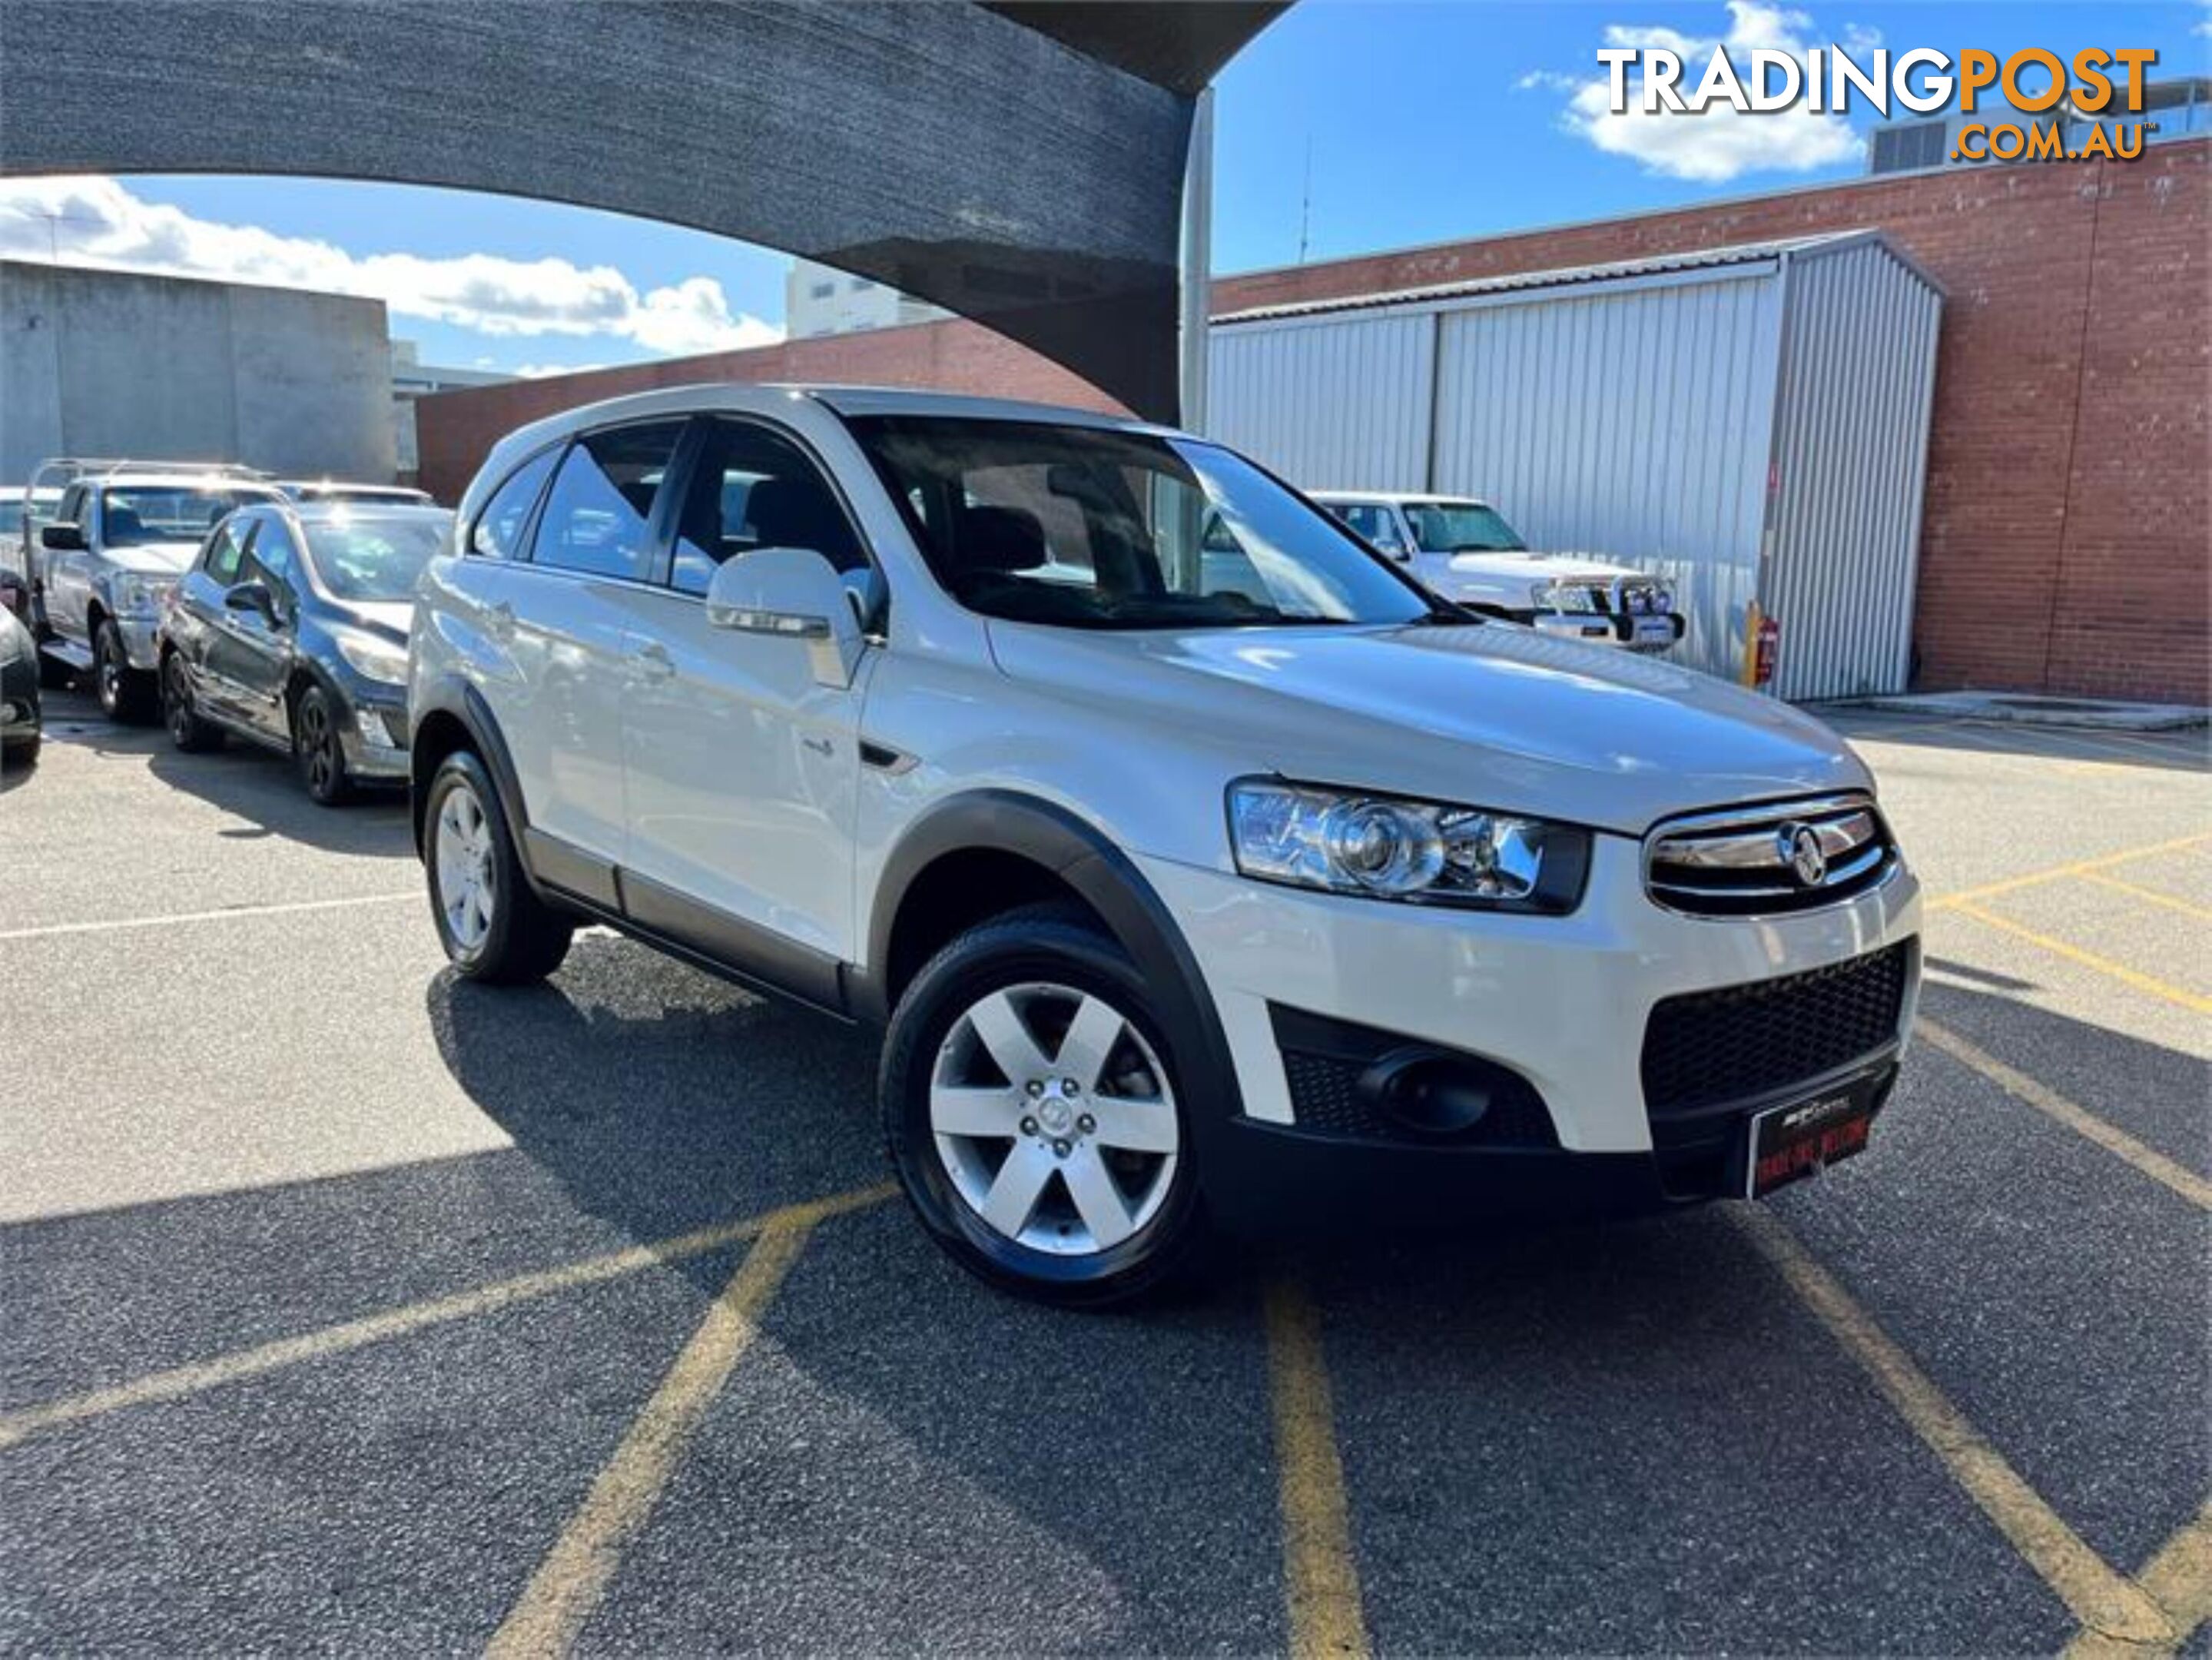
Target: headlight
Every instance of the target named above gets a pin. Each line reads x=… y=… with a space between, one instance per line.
x=140 y=596
x=373 y=658
x=1571 y=597
x=1422 y=852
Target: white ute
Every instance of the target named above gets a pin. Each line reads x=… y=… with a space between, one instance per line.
x=1460 y=549
x=1200 y=868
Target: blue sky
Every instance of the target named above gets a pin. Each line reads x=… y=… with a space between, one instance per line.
x=1422 y=122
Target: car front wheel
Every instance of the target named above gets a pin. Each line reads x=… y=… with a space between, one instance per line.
x=493 y=926
x=125 y=693
x=186 y=730
x=318 y=750
x=1035 y=1113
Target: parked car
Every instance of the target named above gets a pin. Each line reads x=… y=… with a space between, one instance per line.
x=1177 y=903
x=1461 y=548
x=21 y=725
x=104 y=564
x=16 y=592
x=290 y=630
x=334 y=489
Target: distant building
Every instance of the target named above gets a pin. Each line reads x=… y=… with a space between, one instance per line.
x=411 y=378
x=2179 y=108
x=819 y=302
x=110 y=362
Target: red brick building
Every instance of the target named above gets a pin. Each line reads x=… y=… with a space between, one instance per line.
x=2067 y=540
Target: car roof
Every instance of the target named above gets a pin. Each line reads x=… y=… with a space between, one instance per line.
x=1385 y=496
x=324 y=513
x=179 y=481
x=757 y=397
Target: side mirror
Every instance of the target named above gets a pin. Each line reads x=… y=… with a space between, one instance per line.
x=794 y=593
x=62 y=536
x=254 y=596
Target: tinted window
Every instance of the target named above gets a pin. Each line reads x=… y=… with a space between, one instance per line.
x=1460 y=527
x=753 y=489
x=227 y=548
x=1087 y=528
x=131 y=515
x=597 y=517
x=371 y=555
x=499 y=528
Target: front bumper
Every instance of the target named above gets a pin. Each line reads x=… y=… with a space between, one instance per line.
x=19 y=699
x=1647 y=631
x=374 y=737
x=142 y=643
x=1563 y=1002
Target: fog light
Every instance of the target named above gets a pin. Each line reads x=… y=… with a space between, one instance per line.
x=370 y=723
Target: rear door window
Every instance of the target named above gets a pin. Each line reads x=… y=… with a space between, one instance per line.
x=598 y=518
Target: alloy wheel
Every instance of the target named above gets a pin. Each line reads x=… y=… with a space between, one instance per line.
x=462 y=852
x=1054 y=1119
x=178 y=683
x=318 y=747
x=107 y=673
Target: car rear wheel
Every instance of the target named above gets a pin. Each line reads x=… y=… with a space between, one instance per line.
x=125 y=693
x=493 y=926
x=186 y=730
x=317 y=749
x=1032 y=1108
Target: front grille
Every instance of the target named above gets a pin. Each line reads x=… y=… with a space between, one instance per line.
x=1770 y=859
x=1743 y=1042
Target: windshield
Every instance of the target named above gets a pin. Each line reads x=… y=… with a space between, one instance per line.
x=375 y=557
x=1086 y=528
x=1461 y=527
x=133 y=515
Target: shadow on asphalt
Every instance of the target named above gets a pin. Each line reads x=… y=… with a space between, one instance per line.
x=243 y=780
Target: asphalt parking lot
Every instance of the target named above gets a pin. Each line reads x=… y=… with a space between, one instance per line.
x=350 y=1309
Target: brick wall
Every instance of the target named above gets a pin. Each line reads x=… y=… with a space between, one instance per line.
x=2067 y=544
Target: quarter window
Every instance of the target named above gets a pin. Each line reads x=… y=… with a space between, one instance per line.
x=598 y=518
x=754 y=489
x=499 y=528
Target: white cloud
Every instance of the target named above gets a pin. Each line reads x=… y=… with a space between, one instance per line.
x=1722 y=142
x=1546 y=80
x=97 y=222
x=540 y=371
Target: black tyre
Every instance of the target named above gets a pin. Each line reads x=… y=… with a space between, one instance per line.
x=317 y=749
x=22 y=755
x=126 y=694
x=54 y=675
x=1035 y=1112
x=493 y=926
x=186 y=730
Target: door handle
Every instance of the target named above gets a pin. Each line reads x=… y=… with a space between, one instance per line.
x=654 y=661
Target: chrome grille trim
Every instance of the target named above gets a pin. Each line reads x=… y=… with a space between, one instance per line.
x=1738 y=861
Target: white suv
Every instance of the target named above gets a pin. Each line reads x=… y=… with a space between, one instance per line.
x=1194 y=883
x=1461 y=548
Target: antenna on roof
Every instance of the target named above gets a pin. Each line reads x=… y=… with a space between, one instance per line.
x=1305 y=202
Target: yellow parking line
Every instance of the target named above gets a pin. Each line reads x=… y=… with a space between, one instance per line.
x=350 y=1335
x=1321 y=1578
x=2103 y=1600
x=2078 y=868
x=232 y=914
x=2179 y=1580
x=573 y=1577
x=2083 y=1122
x=2149 y=895
x=2088 y=959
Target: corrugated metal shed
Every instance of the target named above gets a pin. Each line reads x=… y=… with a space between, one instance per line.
x=1751 y=422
